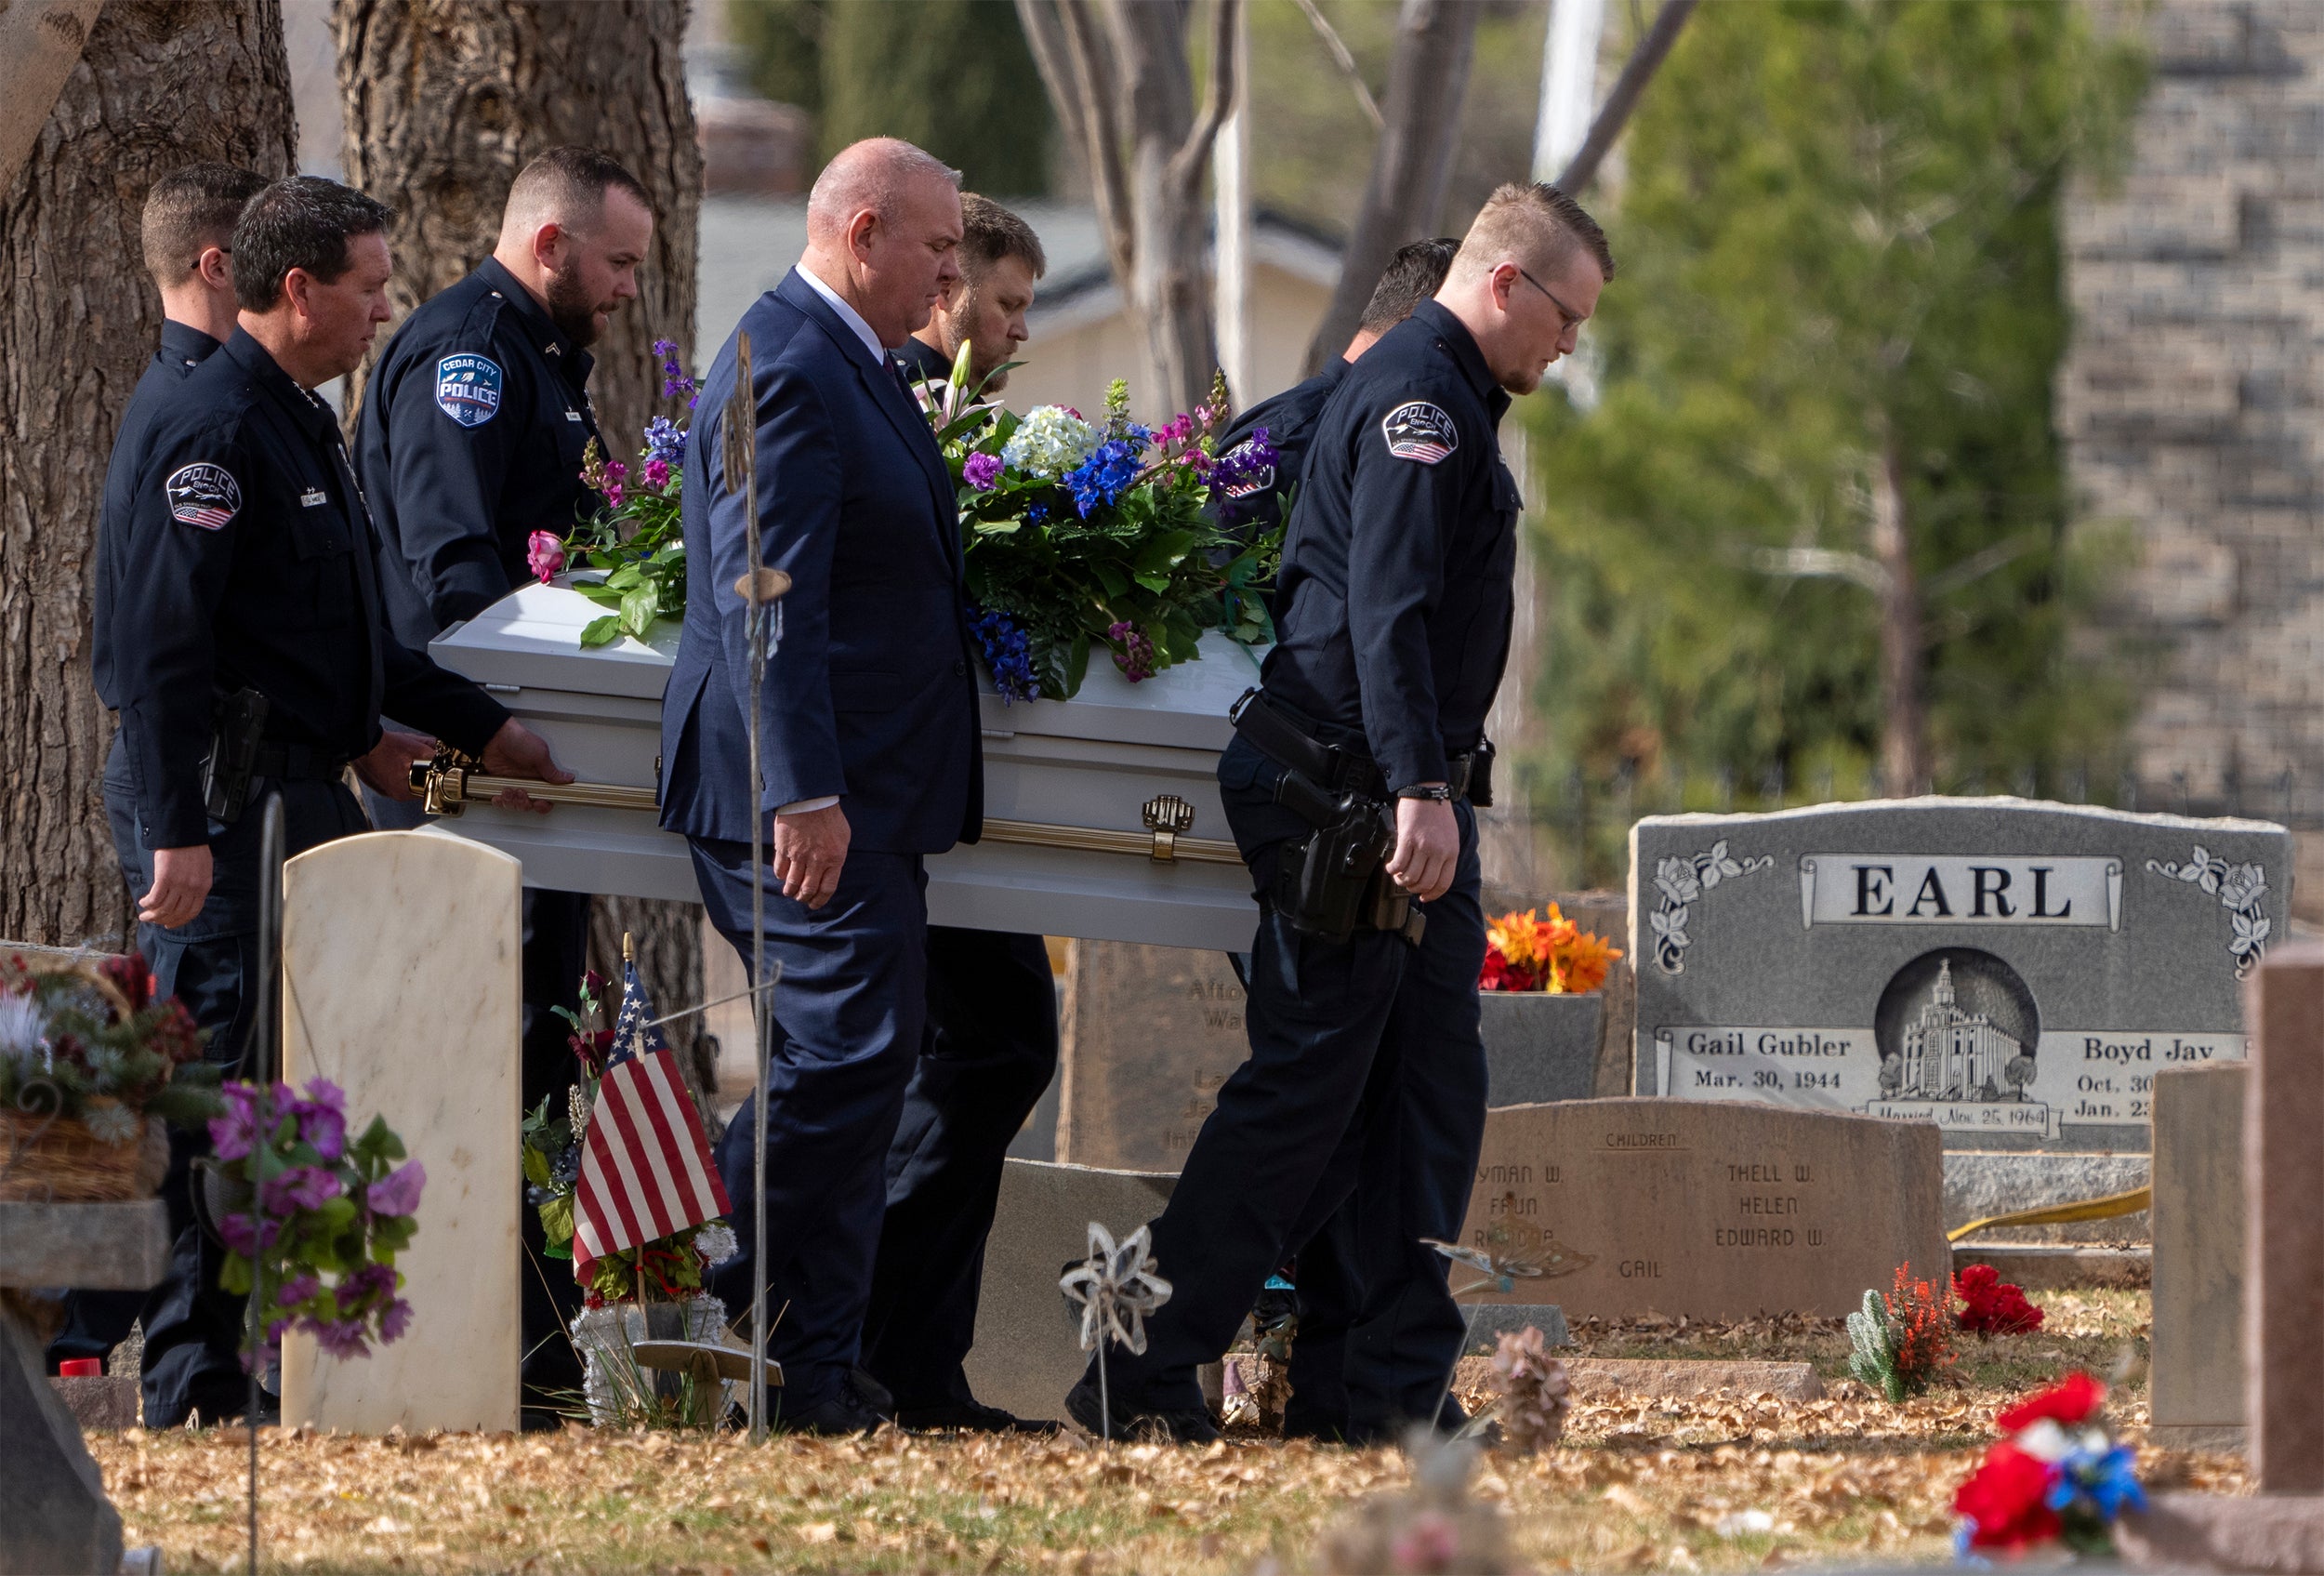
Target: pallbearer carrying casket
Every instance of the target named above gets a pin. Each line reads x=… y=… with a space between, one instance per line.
x=247 y=651
x=872 y=758
x=473 y=428
x=1347 y=788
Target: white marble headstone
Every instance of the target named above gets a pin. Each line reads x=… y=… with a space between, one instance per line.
x=401 y=985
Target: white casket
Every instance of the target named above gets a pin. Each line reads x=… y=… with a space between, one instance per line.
x=1073 y=789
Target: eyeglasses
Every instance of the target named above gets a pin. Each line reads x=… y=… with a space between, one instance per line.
x=1573 y=319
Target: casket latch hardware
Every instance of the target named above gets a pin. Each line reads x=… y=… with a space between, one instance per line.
x=1168 y=817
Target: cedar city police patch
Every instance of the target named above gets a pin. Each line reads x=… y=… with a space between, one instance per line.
x=1419 y=430
x=206 y=496
x=468 y=388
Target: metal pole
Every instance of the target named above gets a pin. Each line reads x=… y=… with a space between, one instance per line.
x=262 y=1051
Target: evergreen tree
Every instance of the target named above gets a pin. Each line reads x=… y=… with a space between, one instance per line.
x=952 y=75
x=1822 y=407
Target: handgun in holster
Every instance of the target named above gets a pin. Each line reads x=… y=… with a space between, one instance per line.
x=237 y=728
x=1334 y=882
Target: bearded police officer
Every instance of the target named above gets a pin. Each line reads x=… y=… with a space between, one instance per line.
x=1346 y=786
x=472 y=436
x=989 y=1047
x=247 y=654
x=186 y=234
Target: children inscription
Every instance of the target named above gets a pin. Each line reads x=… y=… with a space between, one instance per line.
x=2014 y=972
x=1711 y=1210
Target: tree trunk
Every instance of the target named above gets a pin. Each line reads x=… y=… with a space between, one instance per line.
x=1904 y=744
x=158 y=85
x=445 y=101
x=1119 y=78
x=1427 y=78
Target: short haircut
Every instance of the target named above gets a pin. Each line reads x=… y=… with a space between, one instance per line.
x=1415 y=273
x=871 y=173
x=189 y=211
x=1533 y=220
x=567 y=186
x=303 y=222
x=989 y=233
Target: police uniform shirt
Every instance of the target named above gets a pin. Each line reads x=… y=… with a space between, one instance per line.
x=471 y=439
x=184 y=348
x=1396 y=589
x=1253 y=504
x=246 y=563
x=922 y=362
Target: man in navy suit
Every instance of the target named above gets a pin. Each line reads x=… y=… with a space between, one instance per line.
x=868 y=724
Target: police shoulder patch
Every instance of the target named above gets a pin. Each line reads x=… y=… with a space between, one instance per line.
x=204 y=496
x=468 y=388
x=1418 y=430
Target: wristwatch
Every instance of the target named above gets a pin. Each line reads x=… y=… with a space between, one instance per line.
x=1441 y=792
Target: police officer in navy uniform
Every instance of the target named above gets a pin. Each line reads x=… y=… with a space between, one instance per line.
x=1254 y=504
x=245 y=653
x=1350 y=764
x=185 y=234
x=989 y=1047
x=471 y=438
x=1338 y=1390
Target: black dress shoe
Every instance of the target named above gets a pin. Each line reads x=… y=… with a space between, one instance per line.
x=846 y=1410
x=972 y=1417
x=1176 y=1427
x=875 y=1394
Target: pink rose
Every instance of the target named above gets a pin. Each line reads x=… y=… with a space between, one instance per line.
x=545 y=554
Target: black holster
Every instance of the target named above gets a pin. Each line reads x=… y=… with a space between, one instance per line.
x=237 y=728
x=1334 y=882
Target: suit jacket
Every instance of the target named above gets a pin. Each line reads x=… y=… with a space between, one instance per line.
x=869 y=694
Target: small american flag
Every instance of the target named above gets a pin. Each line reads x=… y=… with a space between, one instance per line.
x=645 y=1168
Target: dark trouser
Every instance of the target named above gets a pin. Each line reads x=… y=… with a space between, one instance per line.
x=556 y=951
x=193 y=1331
x=1367 y=1060
x=848 y=1014
x=986 y=1055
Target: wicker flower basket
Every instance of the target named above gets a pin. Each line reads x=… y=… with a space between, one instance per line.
x=47 y=1158
x=57 y=1160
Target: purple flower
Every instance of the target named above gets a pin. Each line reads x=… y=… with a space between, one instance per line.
x=674 y=379
x=358 y=1289
x=656 y=474
x=301 y=1187
x=296 y=1290
x=233 y=1135
x=665 y=441
x=241 y=1236
x=395 y=1319
x=1136 y=657
x=337 y=1340
x=397 y=1192
x=981 y=472
x=322 y=1117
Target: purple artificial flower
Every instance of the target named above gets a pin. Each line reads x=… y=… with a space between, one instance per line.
x=397 y=1192
x=337 y=1340
x=241 y=1236
x=301 y=1187
x=981 y=472
x=297 y=1289
x=358 y=1289
x=233 y=1135
x=395 y=1319
x=322 y=1117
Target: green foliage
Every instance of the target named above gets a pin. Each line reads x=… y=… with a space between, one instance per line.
x=953 y=75
x=1838 y=231
x=68 y=1050
x=1872 y=1360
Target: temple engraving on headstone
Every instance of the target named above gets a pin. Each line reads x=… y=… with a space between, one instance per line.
x=2014 y=972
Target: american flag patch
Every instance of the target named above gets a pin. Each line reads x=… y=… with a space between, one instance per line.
x=204 y=495
x=1419 y=430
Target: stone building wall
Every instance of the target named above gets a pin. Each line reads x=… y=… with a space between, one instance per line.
x=2193 y=404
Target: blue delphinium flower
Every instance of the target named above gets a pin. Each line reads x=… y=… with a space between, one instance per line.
x=1105 y=476
x=1008 y=653
x=666 y=441
x=674 y=379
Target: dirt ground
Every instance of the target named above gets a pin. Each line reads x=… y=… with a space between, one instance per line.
x=1637 y=1485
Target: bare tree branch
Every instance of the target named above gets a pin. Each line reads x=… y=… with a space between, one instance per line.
x=1977 y=566
x=1344 y=60
x=1615 y=113
x=1077 y=66
x=1217 y=101
x=1823 y=564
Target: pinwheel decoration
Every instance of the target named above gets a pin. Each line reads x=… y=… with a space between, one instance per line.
x=1114 y=1288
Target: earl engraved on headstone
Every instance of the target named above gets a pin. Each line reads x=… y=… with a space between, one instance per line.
x=2015 y=971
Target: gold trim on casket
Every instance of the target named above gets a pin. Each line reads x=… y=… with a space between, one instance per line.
x=1102 y=814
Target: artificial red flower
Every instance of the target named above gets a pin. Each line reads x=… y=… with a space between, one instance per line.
x=130 y=976
x=2004 y=1497
x=1992 y=1306
x=2069 y=1401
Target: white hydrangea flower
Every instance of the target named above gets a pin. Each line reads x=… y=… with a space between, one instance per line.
x=716 y=1244
x=1049 y=441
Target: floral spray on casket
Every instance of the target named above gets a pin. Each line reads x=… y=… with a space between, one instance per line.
x=623 y=1180
x=1080 y=536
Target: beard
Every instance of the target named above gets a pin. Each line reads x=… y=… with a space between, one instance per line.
x=571 y=309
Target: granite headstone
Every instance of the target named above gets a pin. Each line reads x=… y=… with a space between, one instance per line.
x=1713 y=1210
x=2014 y=972
x=1148 y=1035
